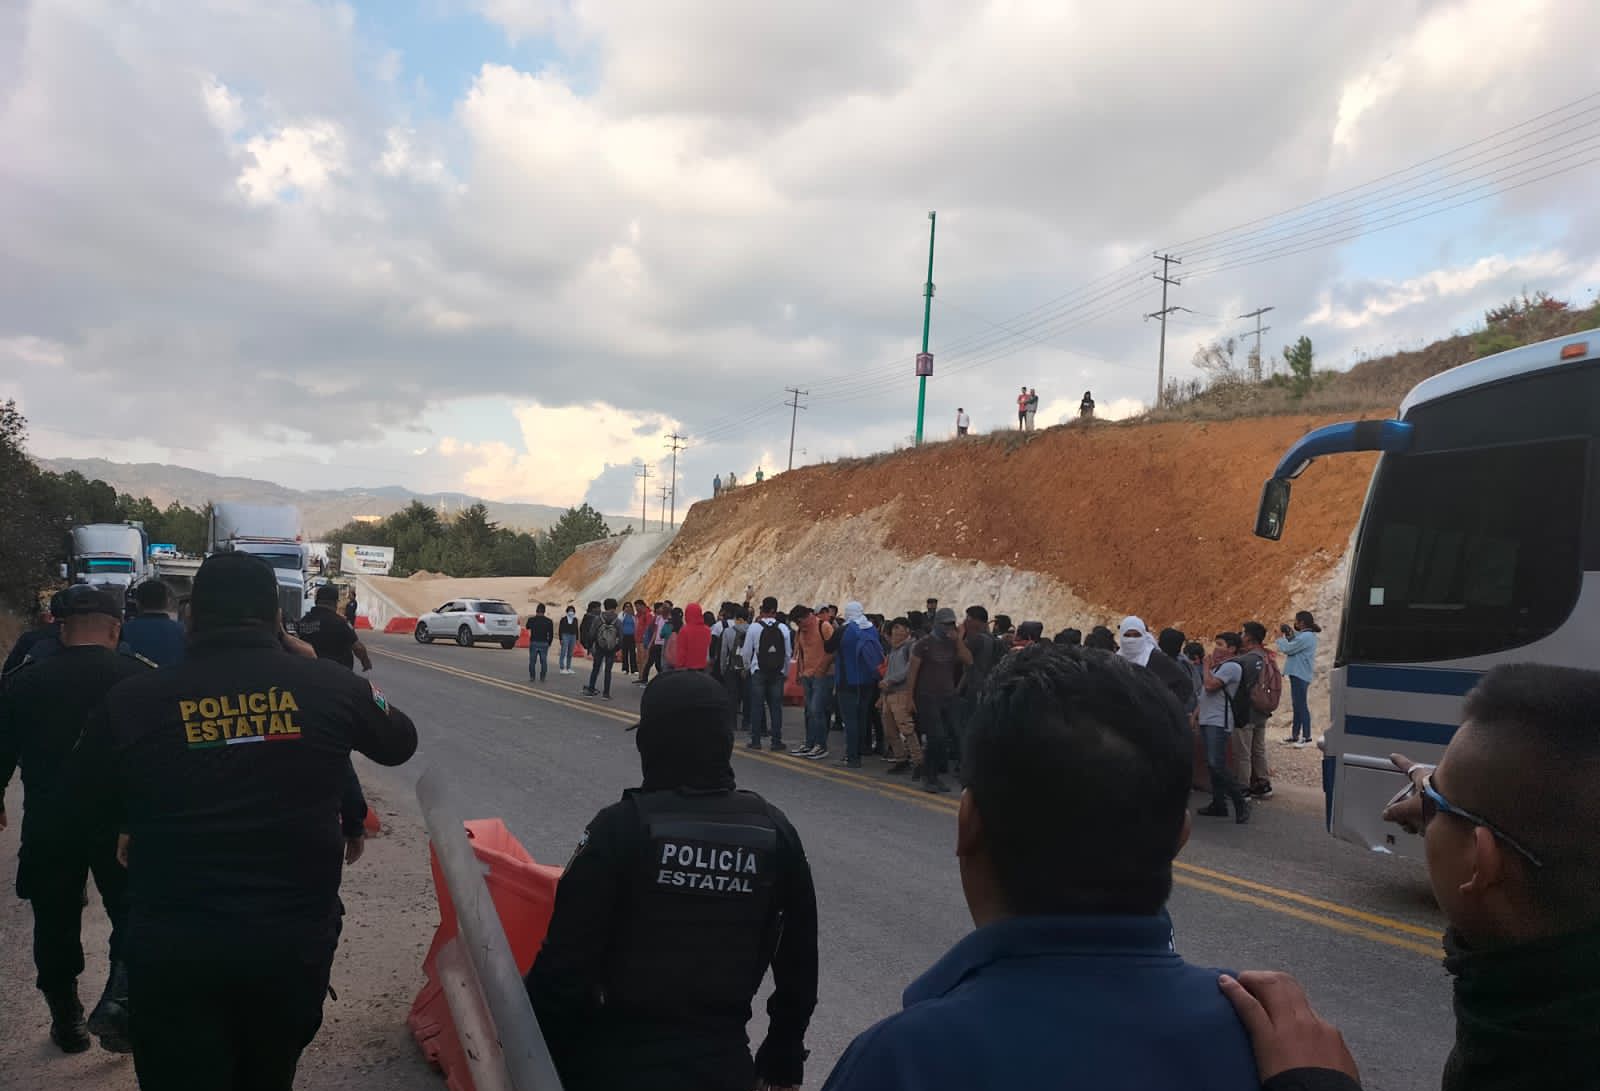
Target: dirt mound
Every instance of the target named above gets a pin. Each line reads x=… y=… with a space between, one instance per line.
x=1070 y=525
x=583 y=567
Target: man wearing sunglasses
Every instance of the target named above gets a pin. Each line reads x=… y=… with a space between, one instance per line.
x=1510 y=817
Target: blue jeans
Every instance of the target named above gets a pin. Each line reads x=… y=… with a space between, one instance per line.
x=1222 y=784
x=538 y=660
x=766 y=700
x=853 y=711
x=818 y=690
x=1301 y=728
x=567 y=644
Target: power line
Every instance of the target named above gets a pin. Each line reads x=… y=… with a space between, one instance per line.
x=642 y=471
x=794 y=417
x=1167 y=280
x=674 y=442
x=1255 y=359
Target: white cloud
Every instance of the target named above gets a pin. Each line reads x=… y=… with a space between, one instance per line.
x=563 y=450
x=225 y=108
x=294 y=160
x=1386 y=299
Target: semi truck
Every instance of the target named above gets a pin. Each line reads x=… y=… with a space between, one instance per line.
x=111 y=556
x=271 y=532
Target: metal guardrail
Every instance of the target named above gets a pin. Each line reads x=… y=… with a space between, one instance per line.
x=500 y=1036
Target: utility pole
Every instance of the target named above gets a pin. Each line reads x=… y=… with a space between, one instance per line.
x=794 y=416
x=643 y=473
x=665 y=492
x=924 y=361
x=1167 y=262
x=674 y=441
x=1255 y=361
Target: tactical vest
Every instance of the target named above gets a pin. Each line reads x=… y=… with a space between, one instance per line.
x=703 y=923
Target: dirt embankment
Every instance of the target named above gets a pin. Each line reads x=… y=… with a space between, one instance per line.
x=1071 y=526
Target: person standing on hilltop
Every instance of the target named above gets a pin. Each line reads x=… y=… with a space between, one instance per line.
x=963 y=422
x=716 y=486
x=1032 y=406
x=760 y=475
x=1022 y=410
x=1086 y=407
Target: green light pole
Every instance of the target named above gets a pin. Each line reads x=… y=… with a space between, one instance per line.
x=924 y=361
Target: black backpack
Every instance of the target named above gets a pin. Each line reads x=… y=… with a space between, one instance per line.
x=771 y=655
x=1240 y=703
x=607 y=634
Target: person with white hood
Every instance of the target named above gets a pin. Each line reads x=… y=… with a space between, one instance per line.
x=860 y=656
x=1138 y=647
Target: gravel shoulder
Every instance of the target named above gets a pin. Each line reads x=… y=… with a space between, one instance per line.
x=390 y=915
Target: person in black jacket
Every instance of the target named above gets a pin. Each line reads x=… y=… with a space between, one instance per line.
x=226 y=773
x=541 y=634
x=43 y=710
x=675 y=903
x=331 y=635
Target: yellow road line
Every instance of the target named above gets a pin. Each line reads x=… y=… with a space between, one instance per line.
x=1190 y=875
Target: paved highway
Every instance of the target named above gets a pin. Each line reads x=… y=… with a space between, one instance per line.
x=1360 y=931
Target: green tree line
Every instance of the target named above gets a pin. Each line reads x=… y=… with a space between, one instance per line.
x=470 y=543
x=38 y=509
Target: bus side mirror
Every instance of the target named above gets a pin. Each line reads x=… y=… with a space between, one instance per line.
x=1274 y=509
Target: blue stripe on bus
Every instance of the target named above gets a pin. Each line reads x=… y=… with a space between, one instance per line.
x=1448 y=683
x=1400 y=730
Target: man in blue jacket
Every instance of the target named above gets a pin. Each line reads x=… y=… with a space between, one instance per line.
x=1077 y=774
x=860 y=656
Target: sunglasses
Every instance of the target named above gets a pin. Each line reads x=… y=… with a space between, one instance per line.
x=1433 y=804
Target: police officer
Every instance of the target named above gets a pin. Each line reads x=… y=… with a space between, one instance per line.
x=330 y=634
x=226 y=772
x=41 y=641
x=677 y=900
x=43 y=711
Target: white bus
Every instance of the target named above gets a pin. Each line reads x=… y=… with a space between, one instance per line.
x=1479 y=544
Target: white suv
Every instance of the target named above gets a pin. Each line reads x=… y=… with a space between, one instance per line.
x=467 y=621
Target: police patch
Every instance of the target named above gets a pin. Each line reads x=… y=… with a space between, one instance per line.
x=705 y=867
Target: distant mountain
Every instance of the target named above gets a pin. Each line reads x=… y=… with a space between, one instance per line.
x=321 y=510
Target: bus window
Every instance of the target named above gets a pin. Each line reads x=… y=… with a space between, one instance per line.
x=1467 y=552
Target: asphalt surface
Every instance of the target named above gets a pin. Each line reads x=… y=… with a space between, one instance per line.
x=1360 y=931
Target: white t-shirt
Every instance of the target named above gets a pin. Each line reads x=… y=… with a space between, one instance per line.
x=1213 y=704
x=962 y=420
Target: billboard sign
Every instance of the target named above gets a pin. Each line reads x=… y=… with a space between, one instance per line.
x=364 y=560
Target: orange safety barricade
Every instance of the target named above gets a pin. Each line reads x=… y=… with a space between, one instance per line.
x=365 y=622
x=522 y=639
x=395 y=625
x=524 y=894
x=371 y=824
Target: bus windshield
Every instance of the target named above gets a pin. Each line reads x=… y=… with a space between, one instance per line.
x=1467 y=552
x=289 y=562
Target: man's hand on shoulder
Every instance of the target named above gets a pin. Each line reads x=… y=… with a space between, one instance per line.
x=1285 y=1032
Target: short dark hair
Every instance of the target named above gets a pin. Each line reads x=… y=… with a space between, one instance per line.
x=1255 y=631
x=326 y=593
x=539 y=609
x=1100 y=637
x=1171 y=641
x=611 y=604
x=769 y=605
x=1003 y=622
x=1537 y=776
x=901 y=622
x=1231 y=640
x=1079 y=766
x=593 y=606
x=1194 y=650
x=978 y=613
x=232 y=590
x=153 y=595
x=1072 y=638
x=708 y=617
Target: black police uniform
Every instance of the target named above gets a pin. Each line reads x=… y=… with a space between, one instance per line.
x=33 y=645
x=226 y=771
x=666 y=919
x=43 y=712
x=330 y=635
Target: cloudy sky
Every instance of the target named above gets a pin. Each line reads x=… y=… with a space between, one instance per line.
x=505 y=246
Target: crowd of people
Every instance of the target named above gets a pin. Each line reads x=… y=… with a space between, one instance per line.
x=903 y=689
x=1074 y=758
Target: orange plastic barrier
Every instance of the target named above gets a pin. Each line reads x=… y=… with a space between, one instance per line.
x=524 y=894
x=371 y=823
x=365 y=622
x=396 y=625
x=522 y=639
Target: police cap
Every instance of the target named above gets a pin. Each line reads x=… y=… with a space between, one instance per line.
x=81 y=600
x=234 y=589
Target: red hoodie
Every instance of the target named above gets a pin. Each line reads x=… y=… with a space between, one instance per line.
x=693 y=640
